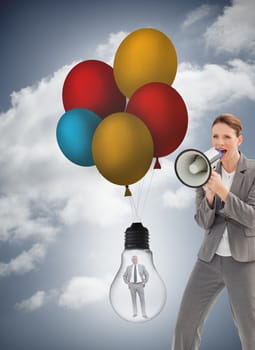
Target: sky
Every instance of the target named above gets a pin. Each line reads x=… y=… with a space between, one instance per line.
x=61 y=225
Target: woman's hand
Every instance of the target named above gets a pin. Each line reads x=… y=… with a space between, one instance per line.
x=216 y=186
x=209 y=195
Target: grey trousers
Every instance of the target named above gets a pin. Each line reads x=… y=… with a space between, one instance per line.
x=137 y=288
x=205 y=283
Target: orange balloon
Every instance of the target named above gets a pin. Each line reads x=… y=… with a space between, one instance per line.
x=122 y=148
x=144 y=56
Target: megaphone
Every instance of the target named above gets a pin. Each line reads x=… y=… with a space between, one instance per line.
x=193 y=167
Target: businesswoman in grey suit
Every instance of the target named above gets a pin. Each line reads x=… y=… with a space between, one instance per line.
x=225 y=209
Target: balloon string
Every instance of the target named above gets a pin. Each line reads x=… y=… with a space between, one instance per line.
x=147 y=192
x=138 y=207
x=140 y=191
x=134 y=209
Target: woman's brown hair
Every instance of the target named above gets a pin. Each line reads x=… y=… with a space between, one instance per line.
x=231 y=120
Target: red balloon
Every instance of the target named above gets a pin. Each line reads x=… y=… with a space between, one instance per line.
x=91 y=85
x=164 y=112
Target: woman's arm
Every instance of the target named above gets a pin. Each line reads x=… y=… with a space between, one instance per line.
x=236 y=209
x=240 y=211
x=205 y=208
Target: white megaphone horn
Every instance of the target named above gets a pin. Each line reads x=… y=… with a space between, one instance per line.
x=193 y=167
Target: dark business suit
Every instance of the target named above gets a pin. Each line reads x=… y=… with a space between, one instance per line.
x=212 y=272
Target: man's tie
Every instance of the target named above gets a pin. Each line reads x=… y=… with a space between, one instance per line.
x=135 y=274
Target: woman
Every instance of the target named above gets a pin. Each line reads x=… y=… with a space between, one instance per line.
x=225 y=209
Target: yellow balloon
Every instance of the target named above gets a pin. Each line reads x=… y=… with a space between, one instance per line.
x=122 y=148
x=144 y=56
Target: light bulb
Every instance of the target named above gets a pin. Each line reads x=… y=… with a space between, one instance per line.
x=137 y=296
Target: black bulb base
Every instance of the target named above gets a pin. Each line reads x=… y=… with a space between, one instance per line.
x=137 y=237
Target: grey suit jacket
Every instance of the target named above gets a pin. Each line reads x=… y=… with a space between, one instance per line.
x=142 y=272
x=238 y=213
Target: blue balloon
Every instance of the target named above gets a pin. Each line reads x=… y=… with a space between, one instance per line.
x=74 y=133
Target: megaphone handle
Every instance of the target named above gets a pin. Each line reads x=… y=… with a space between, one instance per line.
x=214 y=165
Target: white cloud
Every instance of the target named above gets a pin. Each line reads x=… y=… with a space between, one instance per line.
x=97 y=202
x=196 y=15
x=234 y=30
x=24 y=262
x=17 y=224
x=35 y=302
x=183 y=197
x=158 y=179
x=77 y=293
x=81 y=291
x=213 y=87
x=28 y=151
x=106 y=52
x=39 y=187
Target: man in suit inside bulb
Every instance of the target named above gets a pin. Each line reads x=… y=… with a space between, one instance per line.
x=136 y=276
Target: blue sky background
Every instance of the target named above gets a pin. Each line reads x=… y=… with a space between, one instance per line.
x=62 y=226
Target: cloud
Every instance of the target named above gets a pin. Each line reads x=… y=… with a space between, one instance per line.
x=233 y=31
x=24 y=262
x=36 y=301
x=40 y=190
x=182 y=198
x=28 y=153
x=106 y=52
x=196 y=15
x=213 y=87
x=77 y=293
x=81 y=291
x=17 y=223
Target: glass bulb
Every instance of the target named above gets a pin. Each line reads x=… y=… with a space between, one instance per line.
x=137 y=293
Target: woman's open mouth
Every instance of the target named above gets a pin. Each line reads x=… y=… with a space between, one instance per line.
x=223 y=151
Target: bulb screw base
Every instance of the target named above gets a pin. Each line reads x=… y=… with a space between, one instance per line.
x=137 y=237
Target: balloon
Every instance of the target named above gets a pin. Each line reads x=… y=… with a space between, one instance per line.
x=144 y=56
x=164 y=112
x=91 y=85
x=75 y=131
x=122 y=148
